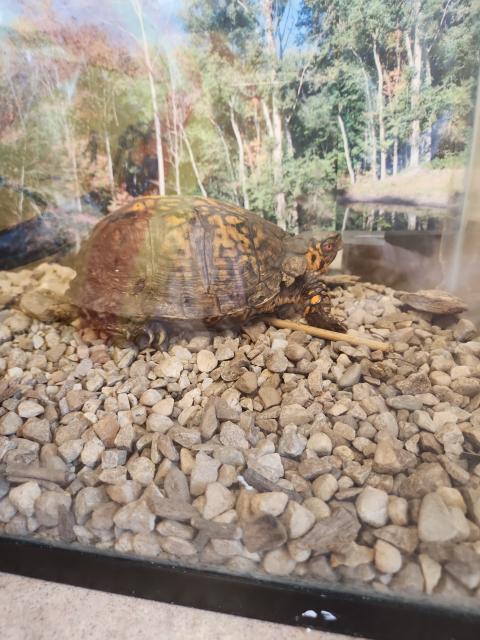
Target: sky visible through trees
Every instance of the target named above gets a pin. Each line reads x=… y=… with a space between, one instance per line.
x=271 y=104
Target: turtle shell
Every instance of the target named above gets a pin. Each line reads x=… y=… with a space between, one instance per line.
x=178 y=258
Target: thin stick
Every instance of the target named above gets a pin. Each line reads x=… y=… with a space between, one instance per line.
x=329 y=335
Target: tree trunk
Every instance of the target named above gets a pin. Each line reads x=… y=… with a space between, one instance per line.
x=277 y=129
x=346 y=149
x=111 y=178
x=176 y=146
x=227 y=157
x=288 y=137
x=415 y=62
x=267 y=118
x=153 y=94
x=280 y=202
x=371 y=134
x=381 y=122
x=194 y=164
x=73 y=159
x=428 y=83
x=395 y=157
x=241 y=158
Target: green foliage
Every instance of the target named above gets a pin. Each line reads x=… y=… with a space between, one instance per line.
x=262 y=123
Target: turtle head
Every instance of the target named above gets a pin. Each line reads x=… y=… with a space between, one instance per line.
x=322 y=251
x=310 y=253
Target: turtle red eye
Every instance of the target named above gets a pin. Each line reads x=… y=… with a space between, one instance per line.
x=328 y=247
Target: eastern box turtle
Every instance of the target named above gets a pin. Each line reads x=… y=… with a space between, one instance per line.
x=192 y=260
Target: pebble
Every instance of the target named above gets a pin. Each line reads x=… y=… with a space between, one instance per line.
x=320 y=443
x=350 y=376
x=271 y=502
x=49 y=506
x=372 y=506
x=37 y=429
x=278 y=562
x=136 y=517
x=292 y=455
x=30 y=409
x=437 y=522
x=218 y=500
x=204 y=472
x=270 y=466
x=23 y=497
x=206 y=361
x=298 y=520
x=291 y=443
x=269 y=396
x=388 y=558
x=276 y=362
x=432 y=572
x=10 y=423
x=91 y=452
x=264 y=533
x=142 y=470
x=325 y=487
x=247 y=382
x=151 y=397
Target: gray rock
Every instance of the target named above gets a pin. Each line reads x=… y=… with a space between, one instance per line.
x=48 y=507
x=136 y=517
x=350 y=376
x=247 y=382
x=333 y=533
x=464 y=330
x=270 y=466
x=87 y=500
x=416 y=383
x=291 y=443
x=437 y=522
x=206 y=361
x=10 y=423
x=426 y=478
x=278 y=562
x=264 y=533
x=23 y=497
x=298 y=520
x=232 y=435
x=125 y=492
x=29 y=409
x=218 y=499
x=178 y=547
x=271 y=502
x=404 y=402
x=142 y=470
x=388 y=558
x=294 y=414
x=409 y=578
x=372 y=506
x=209 y=422
x=205 y=471
x=175 y=485
x=276 y=362
x=269 y=396
x=147 y=544
x=169 y=508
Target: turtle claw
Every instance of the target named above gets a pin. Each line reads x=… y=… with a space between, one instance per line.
x=317 y=318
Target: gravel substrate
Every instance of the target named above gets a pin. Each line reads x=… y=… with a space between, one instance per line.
x=266 y=451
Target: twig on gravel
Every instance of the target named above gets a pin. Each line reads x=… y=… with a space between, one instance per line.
x=329 y=335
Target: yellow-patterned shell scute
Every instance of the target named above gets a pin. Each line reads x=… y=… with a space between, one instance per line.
x=181 y=258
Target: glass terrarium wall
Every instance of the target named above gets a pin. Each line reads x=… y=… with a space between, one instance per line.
x=254 y=451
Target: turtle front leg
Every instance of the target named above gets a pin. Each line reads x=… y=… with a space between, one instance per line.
x=151 y=334
x=317 y=311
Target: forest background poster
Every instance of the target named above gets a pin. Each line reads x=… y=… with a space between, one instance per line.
x=279 y=106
